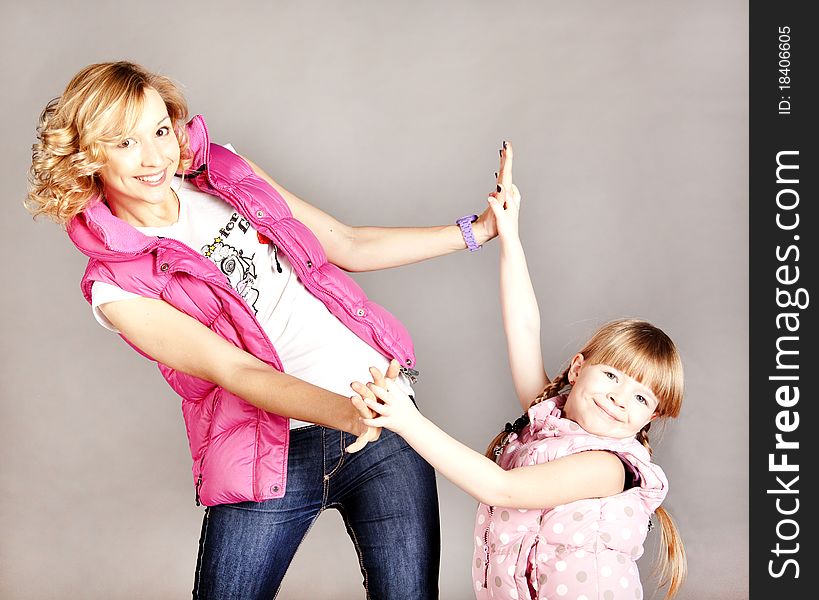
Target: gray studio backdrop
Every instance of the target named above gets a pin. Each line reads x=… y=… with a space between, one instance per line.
x=629 y=121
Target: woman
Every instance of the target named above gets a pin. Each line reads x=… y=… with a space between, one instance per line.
x=233 y=285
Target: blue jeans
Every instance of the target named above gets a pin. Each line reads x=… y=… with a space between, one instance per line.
x=385 y=493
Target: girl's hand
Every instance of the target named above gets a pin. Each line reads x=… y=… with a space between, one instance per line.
x=505 y=206
x=396 y=411
x=486 y=227
x=371 y=433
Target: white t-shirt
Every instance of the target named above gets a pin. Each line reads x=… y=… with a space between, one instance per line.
x=312 y=343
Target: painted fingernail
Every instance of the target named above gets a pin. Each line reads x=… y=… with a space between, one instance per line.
x=500 y=152
x=499 y=188
x=504 y=144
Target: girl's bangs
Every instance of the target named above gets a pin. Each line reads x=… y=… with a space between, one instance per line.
x=655 y=369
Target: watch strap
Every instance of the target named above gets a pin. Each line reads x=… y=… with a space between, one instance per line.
x=465 y=223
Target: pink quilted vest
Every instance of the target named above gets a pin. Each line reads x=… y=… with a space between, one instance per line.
x=584 y=549
x=239 y=451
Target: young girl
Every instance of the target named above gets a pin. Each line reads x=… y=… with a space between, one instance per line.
x=567 y=491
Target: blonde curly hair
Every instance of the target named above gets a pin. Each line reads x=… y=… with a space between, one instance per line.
x=100 y=105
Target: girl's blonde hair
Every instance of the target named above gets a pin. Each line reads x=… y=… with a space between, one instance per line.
x=100 y=105
x=647 y=354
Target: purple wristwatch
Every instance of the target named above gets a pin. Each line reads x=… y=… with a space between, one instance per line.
x=465 y=223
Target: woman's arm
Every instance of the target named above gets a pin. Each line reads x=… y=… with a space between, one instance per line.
x=181 y=342
x=592 y=474
x=372 y=248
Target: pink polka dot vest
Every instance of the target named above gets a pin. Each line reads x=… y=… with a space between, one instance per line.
x=584 y=550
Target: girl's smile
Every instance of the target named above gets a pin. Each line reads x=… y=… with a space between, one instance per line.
x=606 y=412
x=606 y=401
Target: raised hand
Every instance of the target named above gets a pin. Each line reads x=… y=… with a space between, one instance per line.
x=505 y=206
x=486 y=226
x=504 y=176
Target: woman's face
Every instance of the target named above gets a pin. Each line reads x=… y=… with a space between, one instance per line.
x=606 y=401
x=141 y=166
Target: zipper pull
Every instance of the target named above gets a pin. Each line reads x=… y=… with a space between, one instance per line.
x=498 y=450
x=198 y=485
x=276 y=258
x=411 y=374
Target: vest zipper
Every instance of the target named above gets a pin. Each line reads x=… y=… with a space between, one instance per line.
x=198 y=485
x=486 y=549
x=199 y=478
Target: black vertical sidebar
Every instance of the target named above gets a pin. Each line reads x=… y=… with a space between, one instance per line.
x=782 y=329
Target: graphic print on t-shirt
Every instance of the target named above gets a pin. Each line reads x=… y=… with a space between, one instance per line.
x=238 y=268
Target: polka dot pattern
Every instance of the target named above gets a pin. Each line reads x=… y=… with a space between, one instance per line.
x=583 y=550
x=578 y=538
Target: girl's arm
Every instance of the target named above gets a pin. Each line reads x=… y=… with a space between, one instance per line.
x=181 y=342
x=592 y=474
x=372 y=248
x=521 y=317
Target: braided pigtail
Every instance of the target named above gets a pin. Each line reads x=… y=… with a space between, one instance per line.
x=672 y=564
x=642 y=437
x=552 y=388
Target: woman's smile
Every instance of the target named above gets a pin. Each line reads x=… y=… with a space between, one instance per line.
x=137 y=176
x=154 y=178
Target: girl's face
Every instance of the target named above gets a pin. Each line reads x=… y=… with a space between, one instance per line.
x=141 y=166
x=607 y=402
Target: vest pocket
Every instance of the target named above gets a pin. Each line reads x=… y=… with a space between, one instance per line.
x=529 y=577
